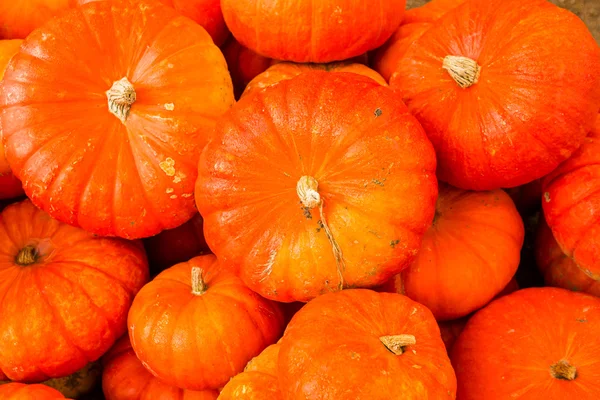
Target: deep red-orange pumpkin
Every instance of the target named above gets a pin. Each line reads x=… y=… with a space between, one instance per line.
x=316 y=31
x=528 y=197
x=500 y=109
x=244 y=64
x=19 y=18
x=320 y=182
x=200 y=308
x=358 y=344
x=558 y=269
x=128 y=169
x=21 y=391
x=537 y=343
x=125 y=378
x=66 y=293
x=571 y=202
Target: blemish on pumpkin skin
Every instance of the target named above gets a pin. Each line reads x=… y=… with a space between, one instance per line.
x=170 y=190
x=547 y=197
x=379 y=182
x=393 y=243
x=186 y=195
x=582 y=320
x=168 y=166
x=173 y=196
x=169 y=106
x=378 y=112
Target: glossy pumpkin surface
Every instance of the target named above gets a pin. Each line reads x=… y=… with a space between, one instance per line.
x=66 y=293
x=361 y=345
x=320 y=182
x=537 y=343
x=21 y=391
x=500 y=109
x=126 y=170
x=19 y=18
x=164 y=324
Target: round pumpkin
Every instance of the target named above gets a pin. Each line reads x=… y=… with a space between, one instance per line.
x=469 y=254
x=316 y=31
x=320 y=182
x=500 y=109
x=125 y=378
x=259 y=379
x=244 y=64
x=537 y=343
x=362 y=345
x=105 y=127
x=571 y=203
x=66 y=293
x=165 y=324
x=21 y=391
x=558 y=269
x=19 y=18
x=207 y=13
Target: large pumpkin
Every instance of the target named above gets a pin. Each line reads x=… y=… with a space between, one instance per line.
x=316 y=31
x=320 y=182
x=125 y=378
x=571 y=204
x=19 y=18
x=558 y=269
x=469 y=254
x=200 y=308
x=103 y=126
x=500 y=109
x=361 y=345
x=21 y=391
x=66 y=293
x=537 y=343
x=258 y=381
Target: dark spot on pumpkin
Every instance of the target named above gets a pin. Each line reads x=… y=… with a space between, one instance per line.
x=306 y=212
x=582 y=320
x=132 y=223
x=393 y=243
x=378 y=112
x=379 y=182
x=547 y=197
x=375 y=234
x=320 y=223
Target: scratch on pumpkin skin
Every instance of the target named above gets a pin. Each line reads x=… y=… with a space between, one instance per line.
x=268 y=266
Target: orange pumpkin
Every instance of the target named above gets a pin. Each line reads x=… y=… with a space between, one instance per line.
x=500 y=109
x=20 y=391
x=259 y=379
x=537 y=343
x=358 y=344
x=19 y=18
x=451 y=330
x=469 y=254
x=316 y=31
x=571 y=204
x=164 y=324
x=207 y=13
x=320 y=182
x=105 y=127
x=285 y=71
x=125 y=378
x=527 y=198
x=558 y=269
x=244 y=64
x=66 y=293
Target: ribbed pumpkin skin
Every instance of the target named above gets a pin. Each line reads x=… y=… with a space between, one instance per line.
x=531 y=106
x=125 y=378
x=77 y=160
x=507 y=350
x=20 y=391
x=375 y=172
x=317 y=31
x=69 y=306
x=19 y=18
x=571 y=203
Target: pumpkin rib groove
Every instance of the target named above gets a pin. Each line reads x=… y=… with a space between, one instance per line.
x=90 y=30
x=468 y=218
x=106 y=274
x=3 y=227
x=567 y=173
x=582 y=237
x=578 y=201
x=159 y=145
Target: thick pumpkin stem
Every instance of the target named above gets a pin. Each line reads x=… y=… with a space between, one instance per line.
x=307 y=190
x=397 y=343
x=27 y=255
x=563 y=370
x=120 y=98
x=463 y=70
x=198 y=284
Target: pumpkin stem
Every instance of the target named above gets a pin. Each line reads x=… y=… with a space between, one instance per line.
x=463 y=70
x=306 y=188
x=120 y=98
x=397 y=343
x=198 y=284
x=563 y=370
x=26 y=256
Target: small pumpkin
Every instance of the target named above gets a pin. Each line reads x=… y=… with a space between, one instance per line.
x=259 y=379
x=105 y=127
x=125 y=378
x=571 y=203
x=358 y=344
x=558 y=269
x=335 y=192
x=318 y=31
x=19 y=18
x=536 y=343
x=164 y=327
x=21 y=391
x=500 y=109
x=244 y=64
x=66 y=293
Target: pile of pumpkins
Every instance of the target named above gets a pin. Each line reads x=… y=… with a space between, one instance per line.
x=327 y=204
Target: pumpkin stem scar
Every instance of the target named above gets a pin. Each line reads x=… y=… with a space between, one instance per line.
x=397 y=343
x=306 y=188
x=198 y=284
x=121 y=96
x=463 y=70
x=563 y=370
x=26 y=256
